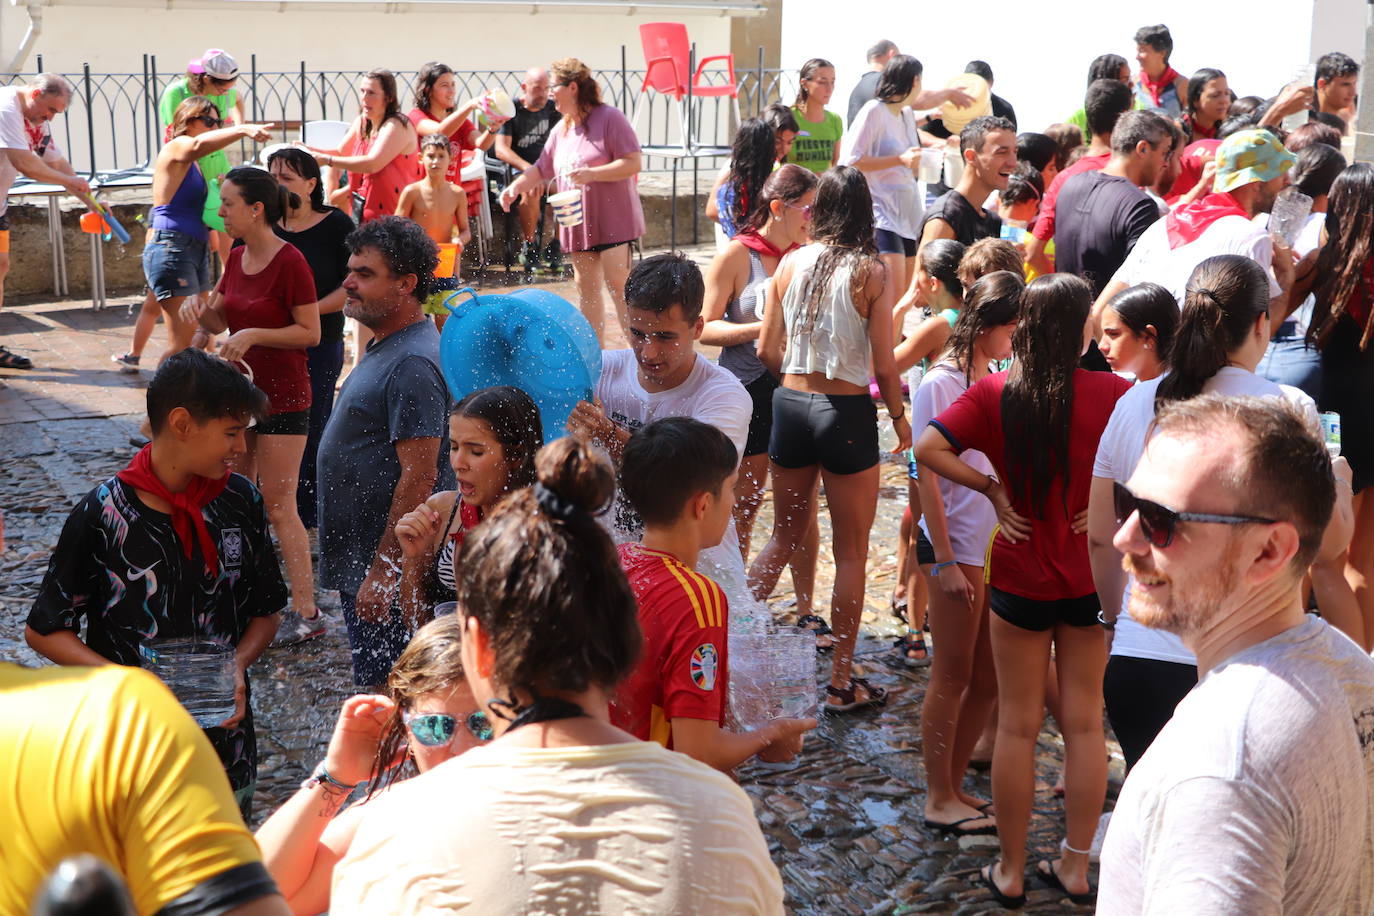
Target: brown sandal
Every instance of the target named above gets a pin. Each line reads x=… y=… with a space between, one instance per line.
x=877 y=696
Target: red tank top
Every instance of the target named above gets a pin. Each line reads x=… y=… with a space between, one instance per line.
x=382 y=189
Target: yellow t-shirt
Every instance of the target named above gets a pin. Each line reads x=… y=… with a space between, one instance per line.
x=105 y=761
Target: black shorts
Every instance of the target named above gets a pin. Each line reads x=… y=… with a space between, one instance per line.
x=295 y=423
x=925 y=551
x=606 y=246
x=837 y=431
x=761 y=419
x=1030 y=614
x=889 y=242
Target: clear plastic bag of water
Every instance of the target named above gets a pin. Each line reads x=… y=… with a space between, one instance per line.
x=772 y=676
x=199 y=672
x=1289 y=215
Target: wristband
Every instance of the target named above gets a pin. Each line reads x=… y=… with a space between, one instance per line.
x=935 y=570
x=321 y=775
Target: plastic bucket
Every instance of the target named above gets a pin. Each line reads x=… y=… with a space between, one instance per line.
x=567 y=207
x=448 y=259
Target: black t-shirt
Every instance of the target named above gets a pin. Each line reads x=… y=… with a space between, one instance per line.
x=866 y=90
x=963 y=218
x=529 y=129
x=1098 y=218
x=324 y=250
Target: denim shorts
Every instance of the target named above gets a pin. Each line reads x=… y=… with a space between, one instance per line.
x=176 y=264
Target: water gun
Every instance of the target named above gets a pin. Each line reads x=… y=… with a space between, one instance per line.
x=108 y=216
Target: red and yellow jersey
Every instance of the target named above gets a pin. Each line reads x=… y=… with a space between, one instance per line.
x=682 y=670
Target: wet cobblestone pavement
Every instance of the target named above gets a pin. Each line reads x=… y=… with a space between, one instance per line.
x=844 y=825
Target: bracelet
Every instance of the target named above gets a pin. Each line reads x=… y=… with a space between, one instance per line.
x=321 y=776
x=935 y=570
x=330 y=162
x=894 y=417
x=1106 y=625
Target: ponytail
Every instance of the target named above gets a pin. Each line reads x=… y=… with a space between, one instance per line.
x=1225 y=296
x=259 y=187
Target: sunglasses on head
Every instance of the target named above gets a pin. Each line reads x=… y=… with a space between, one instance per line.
x=437 y=729
x=1160 y=523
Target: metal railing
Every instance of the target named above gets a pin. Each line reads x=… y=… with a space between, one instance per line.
x=112 y=123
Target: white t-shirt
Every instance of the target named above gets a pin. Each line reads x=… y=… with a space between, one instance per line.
x=968 y=514
x=876 y=131
x=710 y=394
x=1258 y=795
x=1153 y=261
x=1119 y=451
x=14 y=135
x=615 y=829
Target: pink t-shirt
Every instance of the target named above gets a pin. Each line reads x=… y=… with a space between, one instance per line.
x=610 y=209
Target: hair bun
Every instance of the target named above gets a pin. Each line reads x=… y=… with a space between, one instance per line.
x=573 y=472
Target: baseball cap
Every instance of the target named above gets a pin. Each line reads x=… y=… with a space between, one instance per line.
x=215 y=63
x=1249 y=156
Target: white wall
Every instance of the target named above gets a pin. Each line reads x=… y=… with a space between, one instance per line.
x=1040 y=52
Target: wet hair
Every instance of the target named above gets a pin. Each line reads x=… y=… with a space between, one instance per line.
x=392 y=109
x=780 y=118
x=208 y=387
x=544 y=580
x=1316 y=170
x=842 y=221
x=1105 y=67
x=1234 y=125
x=788 y=183
x=1024 y=184
x=752 y=157
x=197 y=106
x=1037 y=149
x=979 y=68
x=257 y=186
x=898 y=77
x=879 y=49
x=429 y=74
x=1136 y=126
x=1332 y=120
x=1197 y=84
x=513 y=418
x=986 y=255
x=304 y=165
x=1312 y=132
x=1281 y=471
x=940 y=259
x=973 y=136
x=1067 y=138
x=1226 y=295
x=660 y=282
x=670 y=462
x=1104 y=102
x=1037 y=399
x=1147 y=304
x=808 y=71
x=404 y=246
x=1157 y=37
x=437 y=140
x=1334 y=65
x=432 y=662
x=994 y=300
x=1246 y=104
x=571 y=71
x=1349 y=245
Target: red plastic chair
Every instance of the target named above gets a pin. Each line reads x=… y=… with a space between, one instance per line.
x=667 y=62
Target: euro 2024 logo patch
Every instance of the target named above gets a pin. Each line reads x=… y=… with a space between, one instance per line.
x=705 y=664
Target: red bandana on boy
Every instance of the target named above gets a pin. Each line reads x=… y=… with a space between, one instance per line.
x=1156 y=87
x=187 y=506
x=1186 y=223
x=755 y=242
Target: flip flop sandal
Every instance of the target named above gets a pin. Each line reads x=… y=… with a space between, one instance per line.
x=847 y=696
x=912 y=642
x=957 y=828
x=1006 y=901
x=817 y=625
x=1044 y=870
x=9 y=360
x=898 y=607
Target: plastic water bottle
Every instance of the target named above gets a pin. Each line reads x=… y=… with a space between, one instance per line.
x=200 y=673
x=1331 y=432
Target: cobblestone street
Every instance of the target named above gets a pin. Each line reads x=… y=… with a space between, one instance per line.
x=844 y=826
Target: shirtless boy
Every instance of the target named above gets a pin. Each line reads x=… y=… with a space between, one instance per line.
x=438 y=207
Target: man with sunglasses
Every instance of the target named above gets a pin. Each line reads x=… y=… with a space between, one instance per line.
x=1258 y=795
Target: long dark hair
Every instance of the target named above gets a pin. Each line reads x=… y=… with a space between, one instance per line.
x=513 y=418
x=1037 y=401
x=940 y=258
x=1145 y=305
x=304 y=165
x=993 y=301
x=1196 y=84
x=1349 y=245
x=424 y=82
x=788 y=183
x=751 y=162
x=808 y=71
x=898 y=77
x=1226 y=294
x=387 y=80
x=842 y=221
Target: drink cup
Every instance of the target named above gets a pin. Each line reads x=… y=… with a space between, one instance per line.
x=932 y=165
x=567 y=207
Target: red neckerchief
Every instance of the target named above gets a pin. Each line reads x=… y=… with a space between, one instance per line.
x=187 y=506
x=1188 y=222
x=468 y=518
x=755 y=242
x=1156 y=87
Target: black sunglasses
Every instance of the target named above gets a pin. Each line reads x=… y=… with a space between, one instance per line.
x=1160 y=523
x=209 y=121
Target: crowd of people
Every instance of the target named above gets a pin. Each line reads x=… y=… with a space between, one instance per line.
x=1138 y=436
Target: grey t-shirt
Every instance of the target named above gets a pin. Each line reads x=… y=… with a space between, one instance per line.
x=397 y=392
x=1258 y=795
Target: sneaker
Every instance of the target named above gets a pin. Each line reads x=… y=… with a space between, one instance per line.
x=529 y=257
x=553 y=252
x=127 y=362
x=12 y=360
x=297 y=629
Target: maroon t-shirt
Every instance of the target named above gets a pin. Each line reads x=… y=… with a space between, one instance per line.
x=265 y=300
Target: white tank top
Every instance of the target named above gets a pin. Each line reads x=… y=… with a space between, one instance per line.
x=835 y=342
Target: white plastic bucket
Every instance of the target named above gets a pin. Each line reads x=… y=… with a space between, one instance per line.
x=932 y=163
x=567 y=207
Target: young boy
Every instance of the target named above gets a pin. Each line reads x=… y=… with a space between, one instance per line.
x=679 y=474
x=174 y=545
x=438 y=207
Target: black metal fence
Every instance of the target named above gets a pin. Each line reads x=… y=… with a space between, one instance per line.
x=112 y=124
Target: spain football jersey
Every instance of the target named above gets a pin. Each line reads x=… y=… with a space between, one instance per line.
x=682 y=667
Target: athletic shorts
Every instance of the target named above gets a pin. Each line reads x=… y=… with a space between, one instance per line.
x=837 y=431
x=5 y=232
x=925 y=551
x=761 y=418
x=176 y=264
x=295 y=423
x=889 y=242
x=1029 y=614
